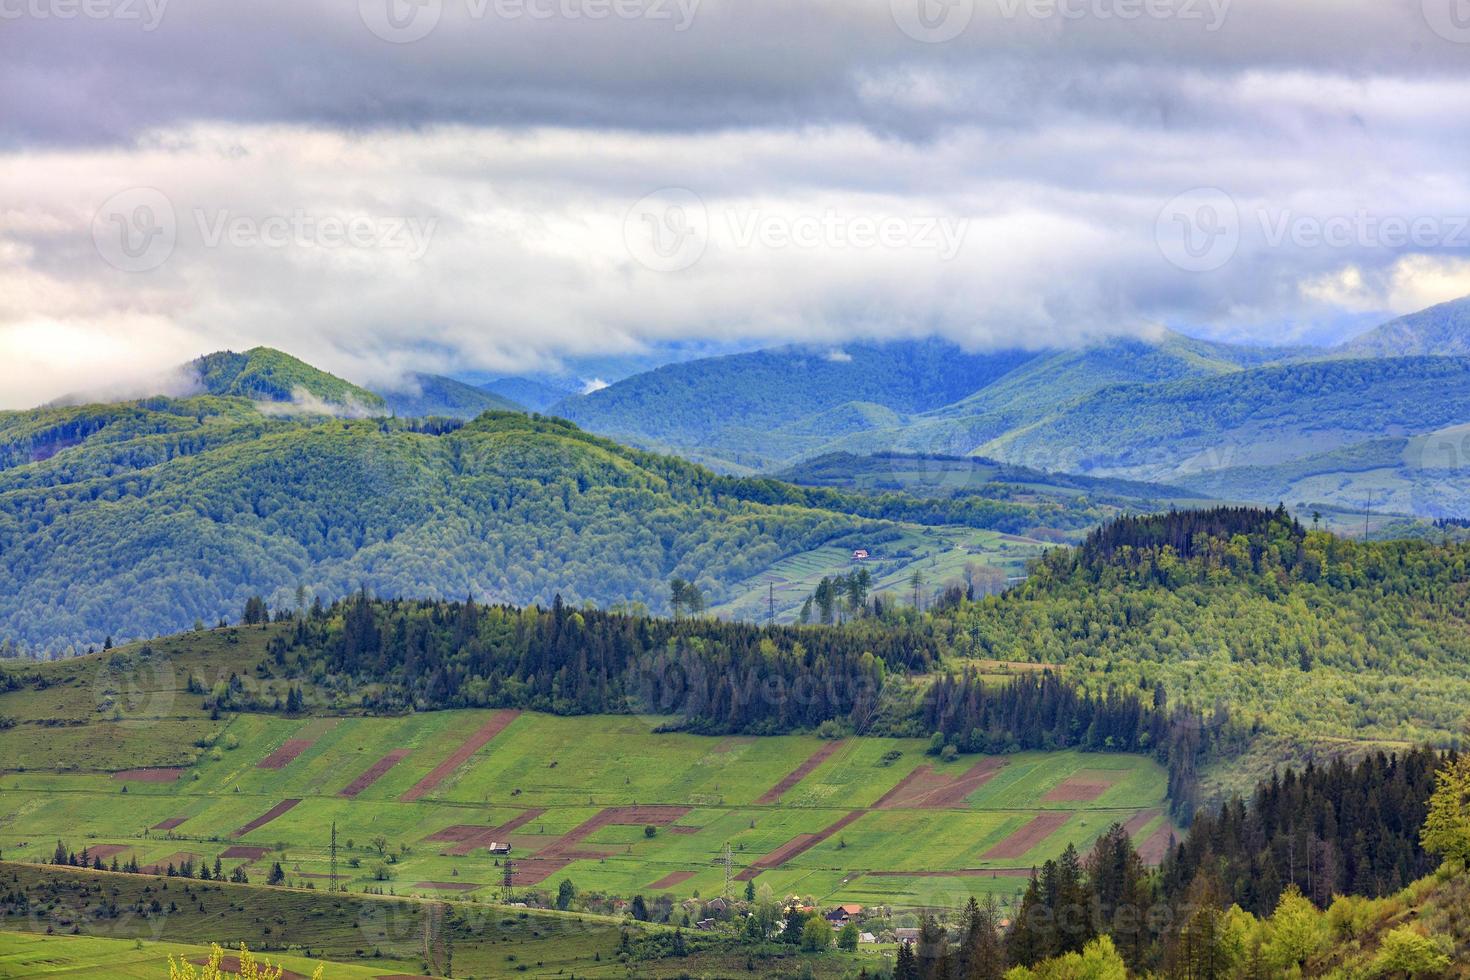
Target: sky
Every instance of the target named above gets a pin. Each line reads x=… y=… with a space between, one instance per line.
x=487 y=187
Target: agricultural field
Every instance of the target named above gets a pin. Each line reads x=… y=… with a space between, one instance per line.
x=939 y=554
x=600 y=800
x=104 y=925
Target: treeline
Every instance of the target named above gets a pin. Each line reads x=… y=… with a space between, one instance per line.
x=1040 y=710
x=718 y=676
x=1190 y=533
x=1200 y=915
x=1337 y=829
x=713 y=676
x=64 y=857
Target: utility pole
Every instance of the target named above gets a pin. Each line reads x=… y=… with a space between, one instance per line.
x=1367 y=512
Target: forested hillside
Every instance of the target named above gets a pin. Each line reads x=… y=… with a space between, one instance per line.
x=266 y=375
x=1442 y=330
x=1297 y=632
x=1260 y=416
x=421 y=395
x=140 y=518
x=751 y=410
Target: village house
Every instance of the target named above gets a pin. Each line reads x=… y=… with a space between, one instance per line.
x=840 y=915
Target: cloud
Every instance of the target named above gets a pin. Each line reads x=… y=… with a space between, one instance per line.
x=593 y=384
x=510 y=194
x=304 y=402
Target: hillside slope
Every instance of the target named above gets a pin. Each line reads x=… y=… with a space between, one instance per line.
x=759 y=408
x=433 y=394
x=140 y=519
x=266 y=375
x=1259 y=416
x=1442 y=330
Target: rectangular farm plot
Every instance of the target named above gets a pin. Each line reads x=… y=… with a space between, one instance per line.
x=1083 y=786
x=807 y=767
x=266 y=817
x=600 y=761
x=1094 y=780
x=919 y=840
x=462 y=754
x=304 y=738
x=374 y=772
x=1029 y=836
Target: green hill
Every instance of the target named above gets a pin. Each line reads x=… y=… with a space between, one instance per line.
x=266 y=375
x=535 y=395
x=1260 y=416
x=423 y=395
x=1442 y=330
x=764 y=407
x=136 y=519
x=779 y=406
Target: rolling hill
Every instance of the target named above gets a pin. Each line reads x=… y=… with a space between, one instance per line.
x=1261 y=424
x=534 y=394
x=1442 y=330
x=1262 y=416
x=142 y=517
x=744 y=411
x=773 y=408
x=432 y=394
x=262 y=374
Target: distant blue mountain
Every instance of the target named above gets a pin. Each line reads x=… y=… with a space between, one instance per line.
x=535 y=395
x=434 y=394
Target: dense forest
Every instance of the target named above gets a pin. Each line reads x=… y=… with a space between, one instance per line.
x=1297 y=631
x=142 y=518
x=1252 y=894
x=1341 y=829
x=1150 y=430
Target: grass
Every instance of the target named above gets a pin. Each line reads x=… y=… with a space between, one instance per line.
x=570 y=768
x=939 y=554
x=24 y=955
x=102 y=925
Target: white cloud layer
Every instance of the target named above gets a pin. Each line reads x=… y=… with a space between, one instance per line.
x=509 y=191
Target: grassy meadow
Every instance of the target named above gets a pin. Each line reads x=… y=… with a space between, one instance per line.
x=548 y=775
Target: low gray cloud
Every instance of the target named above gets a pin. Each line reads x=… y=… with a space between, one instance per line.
x=509 y=191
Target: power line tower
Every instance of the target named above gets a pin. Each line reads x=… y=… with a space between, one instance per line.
x=728 y=860
x=333 y=886
x=771 y=605
x=507 y=879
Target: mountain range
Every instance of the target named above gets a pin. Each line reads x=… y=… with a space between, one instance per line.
x=1373 y=419
x=274 y=474
x=137 y=518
